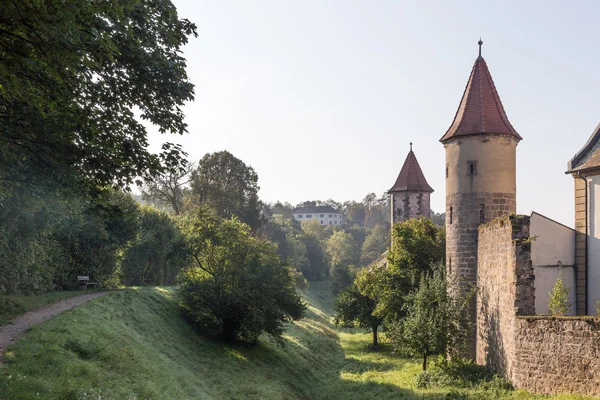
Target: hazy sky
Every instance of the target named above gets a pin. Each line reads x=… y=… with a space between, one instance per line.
x=323 y=97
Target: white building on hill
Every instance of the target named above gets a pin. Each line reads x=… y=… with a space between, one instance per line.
x=326 y=215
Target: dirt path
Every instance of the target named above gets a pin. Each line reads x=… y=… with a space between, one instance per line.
x=19 y=325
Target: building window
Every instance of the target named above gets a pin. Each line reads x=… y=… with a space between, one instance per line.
x=321 y=222
x=446 y=171
x=471 y=168
x=449 y=266
x=398 y=212
x=330 y=222
x=321 y=216
x=329 y=215
x=481 y=213
x=450 y=214
x=300 y=216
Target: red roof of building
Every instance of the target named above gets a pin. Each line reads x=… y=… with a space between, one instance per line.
x=480 y=110
x=411 y=177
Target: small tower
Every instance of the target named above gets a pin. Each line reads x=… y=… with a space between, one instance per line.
x=480 y=172
x=409 y=197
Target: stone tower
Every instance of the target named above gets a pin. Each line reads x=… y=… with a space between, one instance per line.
x=409 y=197
x=480 y=172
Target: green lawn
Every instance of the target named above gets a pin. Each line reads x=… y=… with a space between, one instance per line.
x=135 y=344
x=11 y=306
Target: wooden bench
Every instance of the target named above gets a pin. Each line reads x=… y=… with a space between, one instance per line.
x=84 y=281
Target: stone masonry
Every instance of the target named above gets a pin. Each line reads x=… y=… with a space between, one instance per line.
x=542 y=354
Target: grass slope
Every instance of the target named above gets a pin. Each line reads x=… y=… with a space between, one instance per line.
x=11 y=306
x=135 y=345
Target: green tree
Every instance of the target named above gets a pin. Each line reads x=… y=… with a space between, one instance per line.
x=228 y=185
x=356 y=309
x=166 y=190
x=340 y=277
x=158 y=252
x=417 y=244
x=341 y=248
x=558 y=302
x=434 y=322
x=76 y=77
x=375 y=244
x=238 y=287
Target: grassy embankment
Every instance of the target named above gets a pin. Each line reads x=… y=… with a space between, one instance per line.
x=135 y=345
x=11 y=306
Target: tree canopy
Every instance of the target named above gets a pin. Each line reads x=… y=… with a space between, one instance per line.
x=229 y=186
x=77 y=77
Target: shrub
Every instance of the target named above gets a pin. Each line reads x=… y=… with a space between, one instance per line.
x=237 y=287
x=558 y=302
x=158 y=253
x=460 y=373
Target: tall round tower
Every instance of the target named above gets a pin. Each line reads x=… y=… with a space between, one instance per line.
x=480 y=172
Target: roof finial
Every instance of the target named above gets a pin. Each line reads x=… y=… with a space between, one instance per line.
x=480 y=43
x=410 y=146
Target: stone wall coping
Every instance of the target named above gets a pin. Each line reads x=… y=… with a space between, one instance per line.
x=592 y=318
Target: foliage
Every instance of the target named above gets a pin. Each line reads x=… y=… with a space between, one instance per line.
x=558 y=301
x=460 y=373
x=60 y=238
x=417 y=244
x=355 y=309
x=342 y=249
x=75 y=79
x=434 y=323
x=375 y=244
x=158 y=252
x=340 y=277
x=238 y=287
x=228 y=185
x=318 y=262
x=167 y=189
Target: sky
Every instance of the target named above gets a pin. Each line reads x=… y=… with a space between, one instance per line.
x=322 y=97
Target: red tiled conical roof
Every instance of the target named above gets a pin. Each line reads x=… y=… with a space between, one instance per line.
x=480 y=110
x=411 y=177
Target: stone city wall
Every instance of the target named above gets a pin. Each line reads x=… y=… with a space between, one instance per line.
x=542 y=354
x=557 y=355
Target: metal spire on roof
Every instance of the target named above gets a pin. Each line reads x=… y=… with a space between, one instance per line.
x=410 y=146
x=480 y=43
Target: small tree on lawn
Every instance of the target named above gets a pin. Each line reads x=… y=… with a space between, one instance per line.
x=238 y=287
x=355 y=309
x=559 y=303
x=434 y=322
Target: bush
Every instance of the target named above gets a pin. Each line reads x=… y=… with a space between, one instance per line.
x=158 y=253
x=461 y=373
x=238 y=287
x=558 y=302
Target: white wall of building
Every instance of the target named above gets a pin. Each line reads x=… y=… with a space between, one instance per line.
x=593 y=254
x=323 y=218
x=552 y=252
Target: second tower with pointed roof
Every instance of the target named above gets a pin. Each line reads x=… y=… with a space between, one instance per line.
x=409 y=197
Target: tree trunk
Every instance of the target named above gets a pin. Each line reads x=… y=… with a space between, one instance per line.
x=375 y=336
x=425 y=362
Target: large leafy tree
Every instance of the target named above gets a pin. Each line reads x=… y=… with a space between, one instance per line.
x=417 y=244
x=167 y=189
x=238 y=287
x=228 y=185
x=342 y=249
x=77 y=78
x=375 y=244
